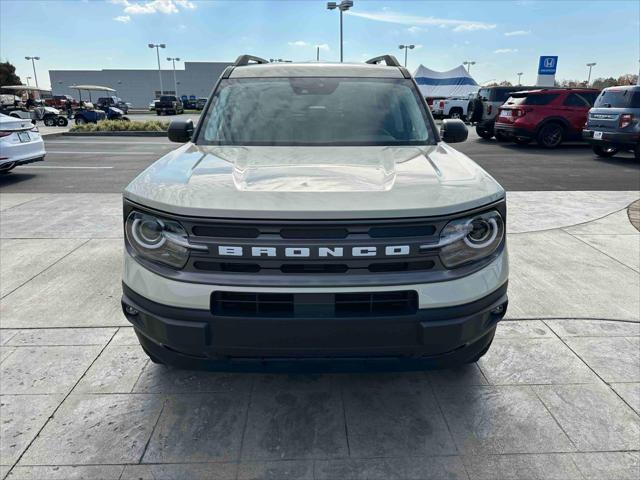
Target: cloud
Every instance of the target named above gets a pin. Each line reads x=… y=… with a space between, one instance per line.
x=122 y=18
x=506 y=50
x=417 y=20
x=414 y=30
x=303 y=44
x=517 y=33
x=147 y=7
x=471 y=27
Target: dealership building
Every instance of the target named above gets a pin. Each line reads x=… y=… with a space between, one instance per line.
x=140 y=87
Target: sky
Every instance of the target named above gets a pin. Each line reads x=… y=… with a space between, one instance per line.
x=502 y=37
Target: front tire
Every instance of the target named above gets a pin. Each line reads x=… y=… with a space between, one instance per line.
x=501 y=137
x=483 y=351
x=49 y=121
x=152 y=357
x=484 y=133
x=456 y=113
x=62 y=122
x=550 y=135
x=80 y=121
x=604 y=152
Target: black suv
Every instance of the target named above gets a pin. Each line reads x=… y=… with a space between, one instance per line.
x=613 y=124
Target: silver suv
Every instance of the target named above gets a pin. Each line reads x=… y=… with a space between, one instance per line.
x=613 y=124
x=315 y=216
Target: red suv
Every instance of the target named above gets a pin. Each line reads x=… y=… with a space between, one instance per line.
x=549 y=115
x=59 y=101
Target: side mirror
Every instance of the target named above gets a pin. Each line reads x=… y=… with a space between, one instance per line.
x=453 y=131
x=180 y=131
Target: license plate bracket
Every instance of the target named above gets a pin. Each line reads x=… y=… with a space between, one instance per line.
x=24 y=137
x=597 y=135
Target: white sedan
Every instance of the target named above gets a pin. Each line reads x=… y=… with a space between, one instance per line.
x=20 y=143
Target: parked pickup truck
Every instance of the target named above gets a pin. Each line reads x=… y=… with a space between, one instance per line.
x=169 y=105
x=454 y=107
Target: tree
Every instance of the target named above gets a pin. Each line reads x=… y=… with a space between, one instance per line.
x=505 y=83
x=604 y=82
x=628 y=79
x=8 y=75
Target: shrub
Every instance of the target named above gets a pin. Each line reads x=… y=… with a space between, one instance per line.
x=122 y=126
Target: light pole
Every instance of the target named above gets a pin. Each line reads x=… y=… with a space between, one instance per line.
x=468 y=63
x=590 y=65
x=28 y=84
x=317 y=53
x=175 y=82
x=33 y=62
x=519 y=76
x=405 y=48
x=343 y=6
x=158 y=46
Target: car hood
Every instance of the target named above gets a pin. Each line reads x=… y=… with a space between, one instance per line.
x=314 y=182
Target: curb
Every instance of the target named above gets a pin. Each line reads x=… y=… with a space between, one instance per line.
x=112 y=134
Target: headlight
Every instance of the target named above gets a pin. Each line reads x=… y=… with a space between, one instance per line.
x=470 y=239
x=157 y=239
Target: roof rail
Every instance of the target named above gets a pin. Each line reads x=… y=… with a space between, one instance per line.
x=390 y=60
x=243 y=60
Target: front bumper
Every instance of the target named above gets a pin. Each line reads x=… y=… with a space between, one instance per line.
x=432 y=337
x=614 y=139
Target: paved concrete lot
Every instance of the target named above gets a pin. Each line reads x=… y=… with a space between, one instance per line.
x=556 y=397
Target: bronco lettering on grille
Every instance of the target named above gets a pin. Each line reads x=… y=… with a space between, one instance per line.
x=303 y=252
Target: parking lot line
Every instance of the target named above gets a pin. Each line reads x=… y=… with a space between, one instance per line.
x=65 y=167
x=109 y=142
x=67 y=152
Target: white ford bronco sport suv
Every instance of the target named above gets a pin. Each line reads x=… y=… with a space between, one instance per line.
x=315 y=217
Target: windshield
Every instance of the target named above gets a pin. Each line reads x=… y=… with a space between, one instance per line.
x=622 y=98
x=316 y=111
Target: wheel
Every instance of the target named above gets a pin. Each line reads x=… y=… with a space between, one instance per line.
x=483 y=351
x=501 y=137
x=62 y=122
x=49 y=121
x=80 y=121
x=636 y=151
x=455 y=113
x=484 y=133
x=604 y=152
x=152 y=357
x=550 y=135
x=125 y=119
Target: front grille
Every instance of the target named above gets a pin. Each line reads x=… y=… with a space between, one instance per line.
x=302 y=235
x=292 y=305
x=314 y=268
